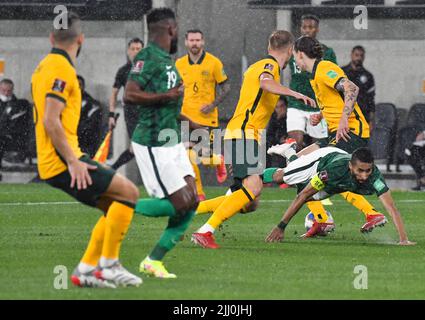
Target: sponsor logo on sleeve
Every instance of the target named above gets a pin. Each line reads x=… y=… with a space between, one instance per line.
x=332 y=74
x=379 y=185
x=59 y=85
x=269 y=66
x=138 y=67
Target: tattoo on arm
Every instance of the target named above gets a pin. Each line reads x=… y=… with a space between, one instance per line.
x=350 y=92
x=224 y=89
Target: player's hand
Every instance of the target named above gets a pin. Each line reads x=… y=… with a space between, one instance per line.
x=208 y=108
x=406 y=243
x=80 y=175
x=307 y=100
x=276 y=235
x=112 y=123
x=343 y=130
x=315 y=119
x=175 y=93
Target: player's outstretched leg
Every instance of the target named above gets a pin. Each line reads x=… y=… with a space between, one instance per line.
x=180 y=207
x=373 y=217
x=118 y=218
x=231 y=205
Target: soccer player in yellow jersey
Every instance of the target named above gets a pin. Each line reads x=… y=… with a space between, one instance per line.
x=57 y=99
x=348 y=129
x=259 y=94
x=202 y=73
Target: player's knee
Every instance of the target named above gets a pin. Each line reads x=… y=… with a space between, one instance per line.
x=254 y=184
x=131 y=191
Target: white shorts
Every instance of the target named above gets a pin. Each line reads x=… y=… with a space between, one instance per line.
x=163 y=169
x=304 y=168
x=299 y=120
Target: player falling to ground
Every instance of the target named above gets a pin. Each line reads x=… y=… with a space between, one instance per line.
x=298 y=116
x=202 y=73
x=259 y=94
x=329 y=171
x=131 y=115
x=154 y=86
x=349 y=130
x=61 y=163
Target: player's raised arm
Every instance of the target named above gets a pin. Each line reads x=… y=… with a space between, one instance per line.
x=388 y=202
x=278 y=231
x=268 y=83
x=53 y=125
x=350 y=92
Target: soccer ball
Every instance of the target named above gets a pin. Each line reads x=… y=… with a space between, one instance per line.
x=329 y=227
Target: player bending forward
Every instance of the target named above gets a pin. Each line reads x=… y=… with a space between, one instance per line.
x=330 y=171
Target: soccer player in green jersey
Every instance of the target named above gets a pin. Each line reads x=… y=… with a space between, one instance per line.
x=299 y=114
x=328 y=171
x=154 y=84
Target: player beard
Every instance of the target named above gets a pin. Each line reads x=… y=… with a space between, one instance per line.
x=174 y=45
x=195 y=50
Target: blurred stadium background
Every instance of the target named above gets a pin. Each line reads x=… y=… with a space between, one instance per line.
x=236 y=31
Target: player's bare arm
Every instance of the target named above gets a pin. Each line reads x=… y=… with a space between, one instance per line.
x=133 y=94
x=223 y=91
x=278 y=231
x=350 y=92
x=316 y=118
x=388 y=202
x=268 y=83
x=112 y=104
x=78 y=170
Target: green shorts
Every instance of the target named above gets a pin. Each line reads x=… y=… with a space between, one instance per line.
x=349 y=146
x=244 y=157
x=101 y=178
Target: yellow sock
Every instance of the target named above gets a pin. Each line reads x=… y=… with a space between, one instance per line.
x=231 y=205
x=360 y=203
x=118 y=219
x=316 y=207
x=198 y=180
x=212 y=161
x=210 y=205
x=94 y=248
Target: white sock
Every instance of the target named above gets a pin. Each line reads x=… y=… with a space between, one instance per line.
x=206 y=228
x=85 y=268
x=105 y=263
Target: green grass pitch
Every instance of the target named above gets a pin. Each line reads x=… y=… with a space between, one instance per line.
x=42 y=227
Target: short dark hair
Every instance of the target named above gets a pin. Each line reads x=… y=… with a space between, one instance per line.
x=72 y=31
x=160 y=14
x=363 y=155
x=7 y=81
x=361 y=48
x=280 y=39
x=193 y=31
x=135 y=40
x=310 y=17
x=310 y=46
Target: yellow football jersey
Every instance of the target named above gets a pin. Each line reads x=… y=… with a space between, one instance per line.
x=55 y=77
x=325 y=76
x=200 y=80
x=255 y=106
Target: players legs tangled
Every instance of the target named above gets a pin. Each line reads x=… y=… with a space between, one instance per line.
x=161 y=94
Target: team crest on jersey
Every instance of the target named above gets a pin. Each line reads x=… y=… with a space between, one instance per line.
x=269 y=66
x=138 y=67
x=59 y=85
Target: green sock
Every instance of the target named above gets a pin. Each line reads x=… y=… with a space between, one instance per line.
x=268 y=174
x=176 y=227
x=154 y=207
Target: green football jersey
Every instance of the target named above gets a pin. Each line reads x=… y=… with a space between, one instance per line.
x=334 y=177
x=155 y=72
x=300 y=81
